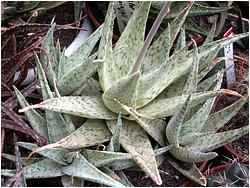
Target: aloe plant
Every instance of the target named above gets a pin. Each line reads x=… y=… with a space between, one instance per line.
x=140 y=87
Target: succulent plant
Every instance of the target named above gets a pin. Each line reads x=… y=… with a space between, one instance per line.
x=235 y=175
x=141 y=87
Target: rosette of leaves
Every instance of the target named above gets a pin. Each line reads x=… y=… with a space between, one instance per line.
x=139 y=92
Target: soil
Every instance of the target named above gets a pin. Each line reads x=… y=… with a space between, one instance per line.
x=170 y=177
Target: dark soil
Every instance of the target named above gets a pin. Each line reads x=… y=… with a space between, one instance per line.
x=170 y=177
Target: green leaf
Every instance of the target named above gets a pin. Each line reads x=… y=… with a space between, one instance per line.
x=198 y=120
x=24 y=160
x=81 y=168
x=55 y=154
x=114 y=144
x=153 y=83
x=215 y=140
x=123 y=61
x=192 y=27
x=92 y=132
x=37 y=122
x=91 y=88
x=191 y=155
x=84 y=106
x=105 y=158
x=42 y=169
x=192 y=81
x=174 y=125
x=188 y=170
x=158 y=53
x=181 y=42
x=122 y=91
x=216 y=120
x=170 y=106
x=135 y=141
x=77 y=76
x=52 y=65
x=154 y=127
x=105 y=50
x=54 y=119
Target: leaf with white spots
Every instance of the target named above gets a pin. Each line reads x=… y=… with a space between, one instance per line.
x=37 y=122
x=84 y=106
x=122 y=91
x=135 y=141
x=81 y=168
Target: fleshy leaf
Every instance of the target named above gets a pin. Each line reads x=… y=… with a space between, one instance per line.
x=84 y=106
x=174 y=125
x=81 y=168
x=188 y=170
x=154 y=127
x=171 y=105
x=55 y=154
x=123 y=61
x=135 y=141
x=154 y=57
x=197 y=121
x=105 y=50
x=114 y=144
x=215 y=140
x=153 y=83
x=122 y=91
x=37 y=122
x=92 y=132
x=81 y=55
x=54 y=119
x=77 y=76
x=24 y=160
x=191 y=155
x=220 y=118
x=52 y=65
x=192 y=81
x=181 y=42
x=91 y=88
x=43 y=169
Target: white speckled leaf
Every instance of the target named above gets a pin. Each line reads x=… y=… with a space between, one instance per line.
x=54 y=120
x=191 y=155
x=81 y=168
x=135 y=141
x=105 y=70
x=198 y=120
x=181 y=42
x=153 y=83
x=25 y=161
x=170 y=106
x=124 y=91
x=215 y=140
x=154 y=127
x=107 y=158
x=48 y=45
x=77 y=76
x=81 y=55
x=159 y=51
x=91 y=88
x=46 y=168
x=92 y=132
x=37 y=122
x=174 y=125
x=220 y=118
x=84 y=106
x=192 y=81
x=192 y=173
x=114 y=144
x=55 y=154
x=133 y=37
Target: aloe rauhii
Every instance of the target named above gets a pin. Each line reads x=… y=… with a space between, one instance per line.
x=138 y=94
